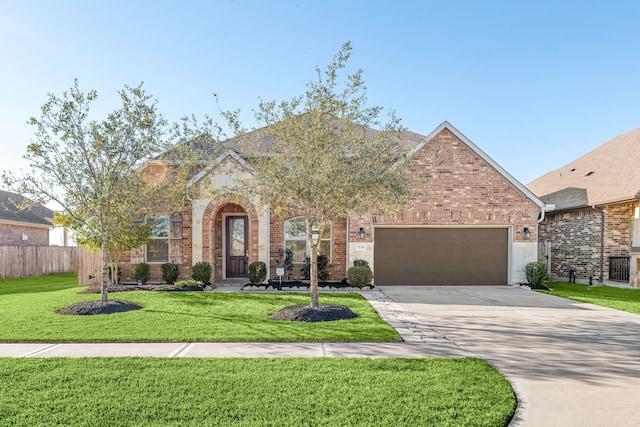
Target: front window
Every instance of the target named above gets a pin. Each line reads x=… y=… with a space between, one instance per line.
x=295 y=238
x=158 y=247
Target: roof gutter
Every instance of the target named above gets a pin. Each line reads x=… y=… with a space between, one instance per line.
x=545 y=208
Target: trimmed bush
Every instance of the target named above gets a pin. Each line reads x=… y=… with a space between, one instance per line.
x=142 y=272
x=257 y=272
x=360 y=263
x=536 y=273
x=170 y=272
x=202 y=272
x=359 y=276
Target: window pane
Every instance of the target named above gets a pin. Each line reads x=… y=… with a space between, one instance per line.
x=325 y=249
x=158 y=250
x=236 y=231
x=159 y=225
x=295 y=229
x=299 y=248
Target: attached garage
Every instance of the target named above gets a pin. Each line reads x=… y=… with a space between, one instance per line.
x=441 y=256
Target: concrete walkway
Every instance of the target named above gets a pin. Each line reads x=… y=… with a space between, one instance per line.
x=571 y=364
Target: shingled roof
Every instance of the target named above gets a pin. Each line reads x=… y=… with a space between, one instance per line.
x=9 y=210
x=608 y=174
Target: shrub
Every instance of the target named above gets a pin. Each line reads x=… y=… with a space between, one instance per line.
x=323 y=273
x=170 y=272
x=360 y=263
x=202 y=272
x=257 y=272
x=112 y=266
x=142 y=272
x=536 y=273
x=360 y=275
x=285 y=260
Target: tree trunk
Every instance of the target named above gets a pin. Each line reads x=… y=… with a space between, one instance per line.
x=313 y=269
x=105 y=267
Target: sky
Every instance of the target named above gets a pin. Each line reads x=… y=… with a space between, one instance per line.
x=534 y=84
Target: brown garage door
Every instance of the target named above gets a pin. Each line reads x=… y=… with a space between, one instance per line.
x=441 y=256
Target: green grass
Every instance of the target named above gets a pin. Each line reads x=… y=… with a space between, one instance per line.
x=28 y=315
x=253 y=392
x=31 y=285
x=622 y=299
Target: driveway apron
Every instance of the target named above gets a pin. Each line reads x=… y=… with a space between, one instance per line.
x=571 y=364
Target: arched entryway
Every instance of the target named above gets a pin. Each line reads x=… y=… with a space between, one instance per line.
x=229 y=241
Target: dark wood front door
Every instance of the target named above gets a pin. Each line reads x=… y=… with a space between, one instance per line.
x=237 y=250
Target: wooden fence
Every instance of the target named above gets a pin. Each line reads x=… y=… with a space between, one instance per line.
x=89 y=268
x=32 y=261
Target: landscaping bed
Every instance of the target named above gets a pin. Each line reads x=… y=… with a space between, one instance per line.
x=298 y=284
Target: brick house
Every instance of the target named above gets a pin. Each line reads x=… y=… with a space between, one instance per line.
x=593 y=229
x=469 y=223
x=23 y=227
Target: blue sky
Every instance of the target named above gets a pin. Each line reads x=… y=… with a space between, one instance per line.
x=535 y=84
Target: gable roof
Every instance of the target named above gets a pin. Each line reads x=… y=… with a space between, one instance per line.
x=9 y=211
x=484 y=156
x=409 y=140
x=608 y=174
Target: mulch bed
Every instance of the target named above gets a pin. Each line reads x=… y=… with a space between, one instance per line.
x=153 y=287
x=304 y=313
x=99 y=307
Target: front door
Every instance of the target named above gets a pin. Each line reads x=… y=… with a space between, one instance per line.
x=237 y=250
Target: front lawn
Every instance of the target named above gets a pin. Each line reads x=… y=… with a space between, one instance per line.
x=253 y=392
x=28 y=315
x=623 y=299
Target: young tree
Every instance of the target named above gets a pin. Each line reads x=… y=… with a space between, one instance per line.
x=319 y=156
x=96 y=170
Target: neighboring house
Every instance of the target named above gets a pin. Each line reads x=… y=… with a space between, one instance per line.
x=468 y=223
x=593 y=232
x=23 y=227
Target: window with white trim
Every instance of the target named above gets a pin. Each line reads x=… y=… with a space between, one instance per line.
x=295 y=238
x=158 y=247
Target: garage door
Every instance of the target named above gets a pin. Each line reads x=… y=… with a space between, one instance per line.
x=441 y=256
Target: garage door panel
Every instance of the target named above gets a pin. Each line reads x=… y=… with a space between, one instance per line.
x=441 y=256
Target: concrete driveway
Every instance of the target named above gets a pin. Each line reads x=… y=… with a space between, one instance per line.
x=571 y=364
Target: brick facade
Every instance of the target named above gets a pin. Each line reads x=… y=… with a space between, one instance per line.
x=12 y=235
x=337 y=267
x=454 y=185
x=576 y=240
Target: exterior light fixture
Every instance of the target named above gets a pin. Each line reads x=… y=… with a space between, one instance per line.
x=362 y=232
x=527 y=233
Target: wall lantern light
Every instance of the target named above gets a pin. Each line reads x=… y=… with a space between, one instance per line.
x=527 y=233
x=362 y=232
